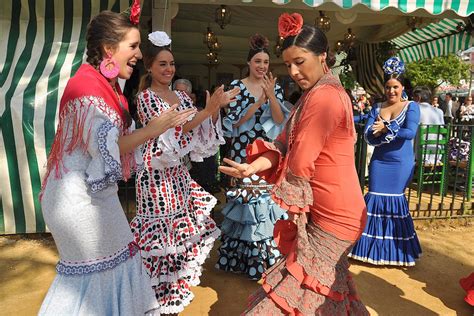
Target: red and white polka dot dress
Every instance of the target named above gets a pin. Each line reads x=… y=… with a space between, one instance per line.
x=172 y=226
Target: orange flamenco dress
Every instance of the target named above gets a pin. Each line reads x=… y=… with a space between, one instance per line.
x=315 y=178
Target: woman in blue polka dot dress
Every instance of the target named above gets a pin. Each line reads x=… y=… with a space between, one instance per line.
x=250 y=214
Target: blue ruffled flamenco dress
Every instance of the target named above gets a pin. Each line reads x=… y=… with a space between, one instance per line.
x=250 y=214
x=389 y=237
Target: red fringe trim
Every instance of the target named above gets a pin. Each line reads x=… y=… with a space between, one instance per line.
x=77 y=125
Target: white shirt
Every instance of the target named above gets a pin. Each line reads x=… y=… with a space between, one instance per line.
x=449 y=109
x=429 y=115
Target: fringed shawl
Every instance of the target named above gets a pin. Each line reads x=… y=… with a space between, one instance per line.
x=86 y=89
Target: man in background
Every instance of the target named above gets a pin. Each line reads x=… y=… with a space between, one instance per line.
x=429 y=115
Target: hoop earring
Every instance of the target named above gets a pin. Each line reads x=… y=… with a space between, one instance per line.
x=109 y=68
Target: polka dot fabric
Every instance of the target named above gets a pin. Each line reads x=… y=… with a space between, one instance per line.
x=249 y=216
x=172 y=226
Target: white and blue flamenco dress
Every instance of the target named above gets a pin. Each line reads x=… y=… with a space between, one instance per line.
x=389 y=237
x=250 y=213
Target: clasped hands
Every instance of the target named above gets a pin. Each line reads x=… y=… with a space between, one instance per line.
x=379 y=127
x=268 y=88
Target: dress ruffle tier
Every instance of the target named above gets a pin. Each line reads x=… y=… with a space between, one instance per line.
x=174 y=246
x=249 y=218
x=389 y=237
x=313 y=279
x=106 y=286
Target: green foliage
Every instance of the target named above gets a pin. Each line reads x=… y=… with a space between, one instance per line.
x=385 y=50
x=347 y=80
x=433 y=72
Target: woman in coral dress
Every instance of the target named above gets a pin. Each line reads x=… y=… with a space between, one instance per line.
x=172 y=225
x=312 y=166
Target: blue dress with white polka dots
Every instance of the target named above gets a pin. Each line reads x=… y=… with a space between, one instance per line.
x=250 y=214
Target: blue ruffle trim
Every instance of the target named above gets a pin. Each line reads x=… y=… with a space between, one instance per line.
x=113 y=168
x=389 y=237
x=252 y=221
x=251 y=258
x=272 y=129
x=229 y=121
x=393 y=129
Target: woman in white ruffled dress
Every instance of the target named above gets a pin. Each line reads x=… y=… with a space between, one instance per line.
x=172 y=226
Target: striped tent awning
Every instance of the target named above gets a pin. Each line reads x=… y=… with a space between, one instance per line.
x=42 y=44
x=461 y=7
x=436 y=39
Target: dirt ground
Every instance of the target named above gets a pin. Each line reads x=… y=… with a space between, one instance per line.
x=27 y=267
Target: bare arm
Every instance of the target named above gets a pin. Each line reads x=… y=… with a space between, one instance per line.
x=241 y=170
x=214 y=103
x=157 y=126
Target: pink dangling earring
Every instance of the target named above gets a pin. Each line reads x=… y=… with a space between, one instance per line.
x=109 y=68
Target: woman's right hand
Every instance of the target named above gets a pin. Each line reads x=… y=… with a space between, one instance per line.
x=169 y=118
x=237 y=170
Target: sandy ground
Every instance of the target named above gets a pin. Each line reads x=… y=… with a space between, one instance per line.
x=27 y=267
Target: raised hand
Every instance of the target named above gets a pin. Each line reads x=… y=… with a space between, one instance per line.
x=268 y=84
x=220 y=98
x=168 y=118
x=229 y=96
x=237 y=170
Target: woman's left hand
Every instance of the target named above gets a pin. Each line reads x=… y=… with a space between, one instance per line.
x=237 y=170
x=268 y=84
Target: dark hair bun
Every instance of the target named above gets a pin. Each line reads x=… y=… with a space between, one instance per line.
x=259 y=42
x=330 y=59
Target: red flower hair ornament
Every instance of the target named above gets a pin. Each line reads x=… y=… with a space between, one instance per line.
x=290 y=24
x=133 y=12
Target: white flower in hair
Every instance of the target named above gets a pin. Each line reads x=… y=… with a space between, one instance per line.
x=159 y=38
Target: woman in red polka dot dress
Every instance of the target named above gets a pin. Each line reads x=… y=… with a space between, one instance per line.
x=172 y=226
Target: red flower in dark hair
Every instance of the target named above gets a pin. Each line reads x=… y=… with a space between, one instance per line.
x=135 y=12
x=290 y=24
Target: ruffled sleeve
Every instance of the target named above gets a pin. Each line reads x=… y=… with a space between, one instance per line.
x=170 y=147
x=404 y=126
x=236 y=111
x=323 y=112
x=272 y=129
x=260 y=147
x=207 y=137
x=105 y=167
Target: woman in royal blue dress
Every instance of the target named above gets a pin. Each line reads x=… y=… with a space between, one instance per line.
x=389 y=237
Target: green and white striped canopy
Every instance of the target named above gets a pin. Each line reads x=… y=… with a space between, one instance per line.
x=42 y=43
x=436 y=39
x=461 y=7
